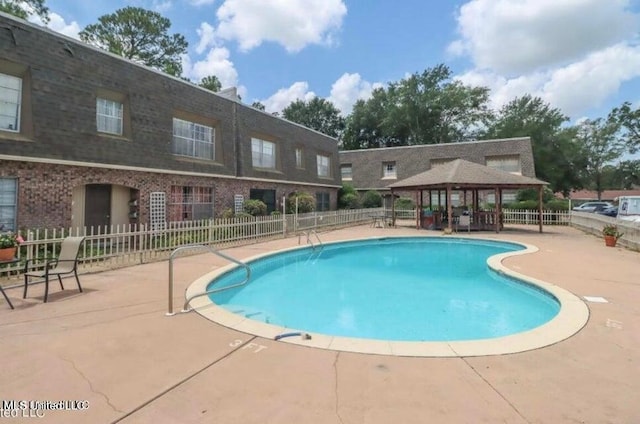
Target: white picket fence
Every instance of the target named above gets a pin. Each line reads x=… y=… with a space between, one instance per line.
x=528 y=217
x=123 y=245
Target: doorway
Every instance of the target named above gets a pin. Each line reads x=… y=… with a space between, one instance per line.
x=97 y=210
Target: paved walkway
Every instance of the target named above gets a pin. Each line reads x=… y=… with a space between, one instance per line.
x=114 y=347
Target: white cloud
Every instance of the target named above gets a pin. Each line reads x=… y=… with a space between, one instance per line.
x=215 y=63
x=574 y=54
x=207 y=35
x=291 y=23
x=349 y=88
x=285 y=96
x=574 y=88
x=161 y=6
x=511 y=37
x=58 y=24
x=592 y=80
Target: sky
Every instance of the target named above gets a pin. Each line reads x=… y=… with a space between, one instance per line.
x=581 y=56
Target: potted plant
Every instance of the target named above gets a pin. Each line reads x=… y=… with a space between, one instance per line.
x=611 y=234
x=9 y=243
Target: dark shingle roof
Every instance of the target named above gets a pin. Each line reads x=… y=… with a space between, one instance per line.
x=464 y=173
x=367 y=164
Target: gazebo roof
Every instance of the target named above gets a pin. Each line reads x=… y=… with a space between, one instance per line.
x=462 y=173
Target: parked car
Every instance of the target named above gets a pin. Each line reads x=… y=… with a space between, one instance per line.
x=610 y=211
x=592 y=206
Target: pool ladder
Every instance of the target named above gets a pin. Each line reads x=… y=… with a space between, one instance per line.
x=308 y=235
x=186 y=308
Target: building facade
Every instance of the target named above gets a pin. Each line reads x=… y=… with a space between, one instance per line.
x=375 y=169
x=88 y=138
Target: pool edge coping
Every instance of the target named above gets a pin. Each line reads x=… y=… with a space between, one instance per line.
x=571 y=318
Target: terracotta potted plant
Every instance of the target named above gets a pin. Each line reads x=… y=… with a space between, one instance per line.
x=611 y=234
x=9 y=243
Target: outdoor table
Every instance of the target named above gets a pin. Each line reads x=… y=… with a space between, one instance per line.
x=10 y=261
x=378 y=220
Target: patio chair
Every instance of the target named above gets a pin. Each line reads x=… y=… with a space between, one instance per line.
x=65 y=263
x=464 y=221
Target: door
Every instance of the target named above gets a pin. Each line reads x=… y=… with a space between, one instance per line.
x=97 y=205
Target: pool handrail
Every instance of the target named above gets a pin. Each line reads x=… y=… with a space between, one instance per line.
x=216 y=252
x=309 y=241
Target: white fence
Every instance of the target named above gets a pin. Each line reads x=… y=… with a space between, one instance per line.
x=593 y=223
x=123 y=245
x=516 y=216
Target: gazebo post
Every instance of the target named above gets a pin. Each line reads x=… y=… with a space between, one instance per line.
x=449 y=208
x=496 y=213
x=419 y=202
x=540 y=208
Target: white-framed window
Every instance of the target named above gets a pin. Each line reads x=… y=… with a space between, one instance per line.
x=263 y=154
x=324 y=165
x=195 y=140
x=389 y=170
x=8 y=203
x=190 y=203
x=299 y=160
x=109 y=116
x=505 y=163
x=238 y=203
x=10 y=96
x=346 y=171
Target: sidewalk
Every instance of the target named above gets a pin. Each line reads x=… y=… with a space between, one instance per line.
x=114 y=347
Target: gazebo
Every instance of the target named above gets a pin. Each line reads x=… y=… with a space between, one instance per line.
x=465 y=176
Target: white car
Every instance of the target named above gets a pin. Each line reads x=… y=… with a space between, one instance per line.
x=592 y=206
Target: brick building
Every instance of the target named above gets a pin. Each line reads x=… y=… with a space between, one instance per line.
x=89 y=138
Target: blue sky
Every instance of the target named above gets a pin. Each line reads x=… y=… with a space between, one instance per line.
x=582 y=56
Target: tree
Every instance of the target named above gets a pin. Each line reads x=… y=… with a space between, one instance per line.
x=601 y=144
x=348 y=197
x=140 y=35
x=629 y=120
x=318 y=114
x=424 y=108
x=211 y=82
x=24 y=8
x=258 y=106
x=555 y=153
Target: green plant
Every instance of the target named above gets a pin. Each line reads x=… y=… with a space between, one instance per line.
x=404 y=203
x=306 y=203
x=612 y=230
x=255 y=207
x=372 y=199
x=8 y=240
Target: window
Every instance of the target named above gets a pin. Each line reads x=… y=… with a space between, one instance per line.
x=8 y=203
x=263 y=154
x=238 y=203
x=345 y=171
x=109 y=116
x=194 y=140
x=324 y=166
x=299 y=160
x=190 y=203
x=266 y=196
x=389 y=170
x=438 y=162
x=322 y=202
x=10 y=95
x=505 y=163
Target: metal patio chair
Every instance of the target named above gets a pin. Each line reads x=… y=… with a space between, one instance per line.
x=65 y=263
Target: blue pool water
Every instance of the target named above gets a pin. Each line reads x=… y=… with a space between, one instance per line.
x=409 y=289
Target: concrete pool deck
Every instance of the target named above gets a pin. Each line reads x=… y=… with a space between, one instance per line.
x=114 y=347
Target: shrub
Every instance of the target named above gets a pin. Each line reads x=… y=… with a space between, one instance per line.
x=371 y=199
x=255 y=207
x=525 y=204
x=350 y=201
x=306 y=203
x=404 y=203
x=557 y=205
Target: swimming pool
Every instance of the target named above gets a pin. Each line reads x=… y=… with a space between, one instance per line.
x=395 y=291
